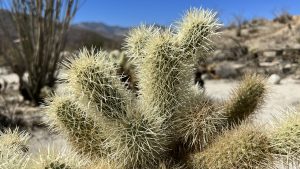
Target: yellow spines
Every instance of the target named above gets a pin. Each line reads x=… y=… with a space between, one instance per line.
x=285 y=137
x=163 y=77
x=195 y=32
x=52 y=158
x=83 y=132
x=245 y=99
x=199 y=122
x=13 y=149
x=138 y=141
x=244 y=147
x=137 y=40
x=103 y=163
x=93 y=79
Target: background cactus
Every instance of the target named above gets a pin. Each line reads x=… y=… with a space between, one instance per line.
x=166 y=124
x=124 y=68
x=51 y=158
x=13 y=149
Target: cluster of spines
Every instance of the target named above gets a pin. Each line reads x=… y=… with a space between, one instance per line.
x=84 y=134
x=243 y=147
x=13 y=149
x=15 y=154
x=247 y=146
x=111 y=124
x=285 y=137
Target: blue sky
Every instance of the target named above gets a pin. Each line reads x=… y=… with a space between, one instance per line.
x=164 y=12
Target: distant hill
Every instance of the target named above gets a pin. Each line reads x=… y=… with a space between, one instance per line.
x=87 y=34
x=78 y=37
x=110 y=32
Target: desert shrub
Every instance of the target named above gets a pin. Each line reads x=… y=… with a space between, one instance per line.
x=35 y=47
x=283 y=17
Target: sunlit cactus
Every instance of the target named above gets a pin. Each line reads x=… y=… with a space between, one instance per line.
x=13 y=149
x=136 y=131
x=248 y=147
x=13 y=138
x=102 y=164
x=195 y=32
x=51 y=158
x=126 y=133
x=82 y=131
x=142 y=130
x=166 y=124
x=94 y=80
x=201 y=120
x=170 y=165
x=245 y=148
x=246 y=99
x=137 y=40
x=285 y=137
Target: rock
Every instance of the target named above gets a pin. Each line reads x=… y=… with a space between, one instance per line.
x=287 y=68
x=11 y=80
x=268 y=58
x=228 y=69
x=269 y=64
x=296 y=75
x=219 y=55
x=206 y=76
x=245 y=32
x=269 y=53
x=284 y=18
x=274 y=79
x=3 y=71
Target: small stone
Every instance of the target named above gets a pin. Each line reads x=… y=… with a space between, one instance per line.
x=269 y=53
x=274 y=79
x=228 y=69
x=287 y=68
x=206 y=76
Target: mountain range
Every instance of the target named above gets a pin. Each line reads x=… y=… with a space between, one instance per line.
x=87 y=34
x=111 y=32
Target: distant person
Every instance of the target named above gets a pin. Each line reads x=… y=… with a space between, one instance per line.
x=198 y=79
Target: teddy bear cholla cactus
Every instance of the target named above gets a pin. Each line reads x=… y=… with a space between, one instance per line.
x=135 y=132
x=14 y=154
x=168 y=125
x=13 y=149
